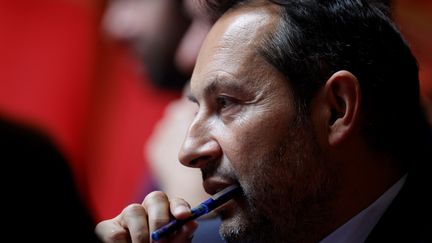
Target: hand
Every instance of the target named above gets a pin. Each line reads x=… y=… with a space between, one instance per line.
x=136 y=222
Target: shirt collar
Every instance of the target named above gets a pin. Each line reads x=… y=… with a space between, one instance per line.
x=358 y=228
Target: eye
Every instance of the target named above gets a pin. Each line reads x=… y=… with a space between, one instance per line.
x=228 y=108
x=224 y=102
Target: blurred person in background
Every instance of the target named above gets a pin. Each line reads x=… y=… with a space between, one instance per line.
x=87 y=93
x=38 y=184
x=58 y=73
x=46 y=69
x=165 y=36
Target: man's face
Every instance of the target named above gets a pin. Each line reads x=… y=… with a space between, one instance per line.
x=190 y=43
x=152 y=29
x=165 y=35
x=246 y=132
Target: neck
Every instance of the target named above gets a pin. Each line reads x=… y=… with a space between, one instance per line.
x=364 y=175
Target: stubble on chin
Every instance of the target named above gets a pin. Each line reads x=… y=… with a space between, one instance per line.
x=293 y=208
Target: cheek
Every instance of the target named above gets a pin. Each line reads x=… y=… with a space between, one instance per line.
x=248 y=142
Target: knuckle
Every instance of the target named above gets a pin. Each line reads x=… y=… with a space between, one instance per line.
x=108 y=231
x=133 y=210
x=154 y=197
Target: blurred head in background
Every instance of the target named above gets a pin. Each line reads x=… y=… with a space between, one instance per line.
x=165 y=35
x=148 y=28
x=190 y=44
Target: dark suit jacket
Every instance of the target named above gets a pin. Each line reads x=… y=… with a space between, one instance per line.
x=39 y=201
x=409 y=217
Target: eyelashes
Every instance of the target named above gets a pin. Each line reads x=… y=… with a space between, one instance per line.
x=224 y=102
x=222 y=105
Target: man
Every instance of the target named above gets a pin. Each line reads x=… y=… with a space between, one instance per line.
x=295 y=108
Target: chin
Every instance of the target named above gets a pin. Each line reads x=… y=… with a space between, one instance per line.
x=238 y=224
x=233 y=222
x=233 y=229
x=242 y=221
x=237 y=229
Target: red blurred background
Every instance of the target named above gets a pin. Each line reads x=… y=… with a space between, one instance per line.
x=59 y=72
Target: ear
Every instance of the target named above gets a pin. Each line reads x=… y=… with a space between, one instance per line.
x=343 y=97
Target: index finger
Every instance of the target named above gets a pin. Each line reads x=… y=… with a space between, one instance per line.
x=129 y=225
x=156 y=205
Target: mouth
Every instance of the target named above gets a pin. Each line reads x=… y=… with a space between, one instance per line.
x=225 y=192
x=215 y=185
x=233 y=203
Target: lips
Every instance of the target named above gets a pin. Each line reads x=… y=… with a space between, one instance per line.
x=214 y=185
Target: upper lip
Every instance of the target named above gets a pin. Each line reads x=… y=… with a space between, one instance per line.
x=215 y=184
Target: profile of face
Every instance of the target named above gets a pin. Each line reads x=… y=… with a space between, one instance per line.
x=246 y=132
x=165 y=35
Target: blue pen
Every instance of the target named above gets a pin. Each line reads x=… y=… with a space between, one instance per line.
x=204 y=208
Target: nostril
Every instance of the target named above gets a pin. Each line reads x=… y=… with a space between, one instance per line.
x=197 y=161
x=193 y=162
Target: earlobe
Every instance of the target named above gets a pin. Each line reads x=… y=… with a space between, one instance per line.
x=343 y=96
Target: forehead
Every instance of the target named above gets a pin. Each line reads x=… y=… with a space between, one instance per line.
x=230 y=48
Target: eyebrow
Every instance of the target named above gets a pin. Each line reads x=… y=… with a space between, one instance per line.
x=218 y=82
x=215 y=85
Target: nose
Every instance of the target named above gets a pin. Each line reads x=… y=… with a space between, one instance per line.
x=199 y=146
